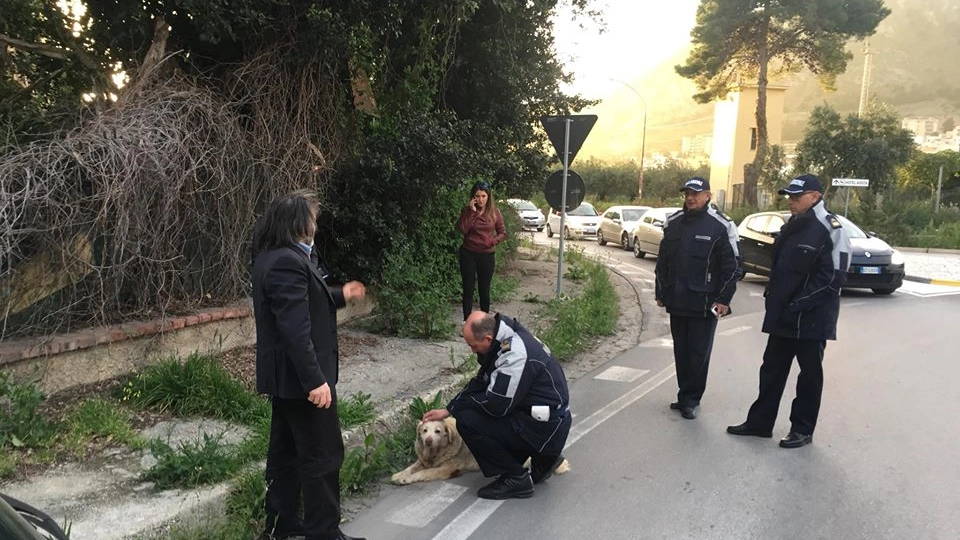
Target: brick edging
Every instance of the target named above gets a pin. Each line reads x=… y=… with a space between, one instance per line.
x=26 y=348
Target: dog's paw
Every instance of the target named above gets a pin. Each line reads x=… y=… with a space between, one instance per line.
x=400 y=479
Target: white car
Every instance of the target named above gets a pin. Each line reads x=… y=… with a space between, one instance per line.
x=649 y=232
x=579 y=222
x=617 y=224
x=530 y=215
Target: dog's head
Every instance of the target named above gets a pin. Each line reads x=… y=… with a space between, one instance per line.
x=434 y=434
x=437 y=439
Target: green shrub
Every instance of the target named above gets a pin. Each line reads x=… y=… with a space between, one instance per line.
x=98 y=418
x=21 y=424
x=356 y=410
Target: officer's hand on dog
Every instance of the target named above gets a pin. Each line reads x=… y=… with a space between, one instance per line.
x=435 y=414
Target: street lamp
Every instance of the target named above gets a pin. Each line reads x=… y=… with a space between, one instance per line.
x=643 y=139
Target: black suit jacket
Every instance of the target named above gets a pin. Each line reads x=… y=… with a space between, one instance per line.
x=296 y=318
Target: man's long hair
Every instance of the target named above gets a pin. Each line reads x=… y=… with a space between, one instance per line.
x=288 y=220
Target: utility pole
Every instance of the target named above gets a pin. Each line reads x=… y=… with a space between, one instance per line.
x=936 y=204
x=643 y=136
x=865 y=83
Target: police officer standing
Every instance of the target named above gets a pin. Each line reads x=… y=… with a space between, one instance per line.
x=697 y=271
x=811 y=256
x=516 y=407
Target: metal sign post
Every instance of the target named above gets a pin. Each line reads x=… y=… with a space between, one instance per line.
x=849 y=183
x=563 y=204
x=574 y=131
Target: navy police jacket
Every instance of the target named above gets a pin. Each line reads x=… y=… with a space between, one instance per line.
x=811 y=256
x=517 y=373
x=698 y=263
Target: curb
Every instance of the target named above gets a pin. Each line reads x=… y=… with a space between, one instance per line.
x=937 y=251
x=933 y=281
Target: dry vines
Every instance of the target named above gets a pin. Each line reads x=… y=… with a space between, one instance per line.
x=148 y=208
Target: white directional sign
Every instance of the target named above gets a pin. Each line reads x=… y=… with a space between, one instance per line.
x=851 y=182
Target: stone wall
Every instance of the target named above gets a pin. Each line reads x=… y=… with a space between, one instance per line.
x=61 y=361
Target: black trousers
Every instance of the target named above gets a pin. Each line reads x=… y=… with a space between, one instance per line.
x=777 y=360
x=498 y=447
x=476 y=268
x=303 y=463
x=692 y=345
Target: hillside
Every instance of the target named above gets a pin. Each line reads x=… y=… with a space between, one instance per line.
x=914 y=70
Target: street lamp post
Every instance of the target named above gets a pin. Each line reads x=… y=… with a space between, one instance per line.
x=643 y=137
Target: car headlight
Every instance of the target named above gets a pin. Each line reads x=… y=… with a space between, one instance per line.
x=896 y=258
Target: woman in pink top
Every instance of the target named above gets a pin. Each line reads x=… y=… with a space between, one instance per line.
x=482 y=228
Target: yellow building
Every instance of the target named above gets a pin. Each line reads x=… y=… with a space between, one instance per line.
x=735 y=138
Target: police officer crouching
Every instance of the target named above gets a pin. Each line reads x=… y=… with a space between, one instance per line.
x=698 y=267
x=516 y=407
x=811 y=256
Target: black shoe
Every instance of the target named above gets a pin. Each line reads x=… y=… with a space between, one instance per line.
x=675 y=406
x=748 y=430
x=542 y=467
x=689 y=412
x=508 y=487
x=795 y=440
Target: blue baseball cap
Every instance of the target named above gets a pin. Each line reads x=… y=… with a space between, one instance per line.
x=802 y=184
x=696 y=184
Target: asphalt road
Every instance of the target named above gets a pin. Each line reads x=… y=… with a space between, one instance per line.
x=883 y=464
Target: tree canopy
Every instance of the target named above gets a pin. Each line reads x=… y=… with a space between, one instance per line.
x=745 y=41
x=871 y=146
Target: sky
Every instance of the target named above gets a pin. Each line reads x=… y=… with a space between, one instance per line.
x=638 y=35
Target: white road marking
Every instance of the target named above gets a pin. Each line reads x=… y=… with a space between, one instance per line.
x=621 y=374
x=659 y=342
x=427 y=505
x=588 y=424
x=469 y=520
x=734 y=330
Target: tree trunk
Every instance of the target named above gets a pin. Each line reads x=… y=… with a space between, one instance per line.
x=750 y=179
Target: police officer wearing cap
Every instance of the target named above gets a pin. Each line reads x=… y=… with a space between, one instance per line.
x=516 y=407
x=811 y=256
x=698 y=267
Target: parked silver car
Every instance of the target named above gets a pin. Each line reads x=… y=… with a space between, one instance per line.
x=649 y=232
x=530 y=215
x=579 y=222
x=617 y=224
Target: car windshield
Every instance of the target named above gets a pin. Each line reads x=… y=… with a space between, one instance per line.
x=584 y=209
x=852 y=230
x=632 y=214
x=524 y=205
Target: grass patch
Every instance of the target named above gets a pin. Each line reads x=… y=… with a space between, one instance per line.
x=195 y=387
x=575 y=321
x=98 y=419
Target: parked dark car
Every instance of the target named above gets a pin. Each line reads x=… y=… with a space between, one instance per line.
x=874 y=264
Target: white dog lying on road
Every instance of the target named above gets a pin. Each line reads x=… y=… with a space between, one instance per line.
x=441 y=454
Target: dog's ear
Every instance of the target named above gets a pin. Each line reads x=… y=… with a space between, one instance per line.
x=450 y=426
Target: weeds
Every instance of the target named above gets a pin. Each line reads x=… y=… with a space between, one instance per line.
x=191 y=464
x=356 y=410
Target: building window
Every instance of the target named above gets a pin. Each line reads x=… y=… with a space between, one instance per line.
x=753 y=138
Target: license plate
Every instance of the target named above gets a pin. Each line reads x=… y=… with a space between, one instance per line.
x=590 y=230
x=869 y=269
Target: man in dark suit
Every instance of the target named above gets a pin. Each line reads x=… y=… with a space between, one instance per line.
x=297 y=366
